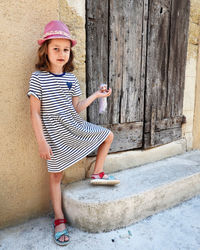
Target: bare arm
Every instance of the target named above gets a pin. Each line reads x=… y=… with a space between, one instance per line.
x=81 y=105
x=44 y=149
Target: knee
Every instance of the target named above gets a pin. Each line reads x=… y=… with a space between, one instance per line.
x=56 y=177
x=110 y=138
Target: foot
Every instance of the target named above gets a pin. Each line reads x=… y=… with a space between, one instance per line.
x=102 y=179
x=59 y=227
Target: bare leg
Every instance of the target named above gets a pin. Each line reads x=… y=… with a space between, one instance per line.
x=102 y=153
x=55 y=190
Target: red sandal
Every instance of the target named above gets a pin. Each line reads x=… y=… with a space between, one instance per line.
x=59 y=234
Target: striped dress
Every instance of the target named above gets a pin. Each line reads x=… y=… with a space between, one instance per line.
x=69 y=136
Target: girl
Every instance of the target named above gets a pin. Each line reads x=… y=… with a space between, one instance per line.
x=63 y=137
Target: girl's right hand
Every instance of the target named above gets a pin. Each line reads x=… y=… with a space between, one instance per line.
x=45 y=150
x=100 y=94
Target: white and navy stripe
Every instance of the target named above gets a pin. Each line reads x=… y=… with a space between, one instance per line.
x=69 y=136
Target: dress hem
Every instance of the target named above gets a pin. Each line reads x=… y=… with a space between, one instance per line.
x=82 y=156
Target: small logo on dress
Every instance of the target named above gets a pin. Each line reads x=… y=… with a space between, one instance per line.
x=69 y=85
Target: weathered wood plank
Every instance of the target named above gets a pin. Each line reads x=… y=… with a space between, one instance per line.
x=163 y=137
x=177 y=56
x=167 y=123
x=157 y=58
x=126 y=136
x=131 y=108
x=141 y=98
x=152 y=124
x=125 y=47
x=97 y=53
x=116 y=53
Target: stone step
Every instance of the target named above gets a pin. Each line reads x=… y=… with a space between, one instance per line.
x=143 y=191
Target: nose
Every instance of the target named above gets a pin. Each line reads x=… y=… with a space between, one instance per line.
x=61 y=53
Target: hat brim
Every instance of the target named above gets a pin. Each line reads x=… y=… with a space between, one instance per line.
x=42 y=40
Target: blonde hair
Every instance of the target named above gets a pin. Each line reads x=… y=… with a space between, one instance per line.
x=43 y=63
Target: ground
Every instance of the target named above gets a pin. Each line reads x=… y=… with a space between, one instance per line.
x=177 y=228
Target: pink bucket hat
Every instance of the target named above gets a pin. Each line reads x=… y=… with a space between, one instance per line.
x=56 y=29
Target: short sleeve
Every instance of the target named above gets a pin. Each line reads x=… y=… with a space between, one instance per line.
x=77 y=89
x=35 y=86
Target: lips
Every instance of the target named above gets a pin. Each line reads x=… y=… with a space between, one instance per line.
x=60 y=60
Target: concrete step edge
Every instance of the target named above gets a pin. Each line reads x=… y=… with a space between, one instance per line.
x=124 y=160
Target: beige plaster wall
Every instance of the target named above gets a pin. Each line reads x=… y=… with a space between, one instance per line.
x=196 y=41
x=190 y=93
x=24 y=191
x=196 y=128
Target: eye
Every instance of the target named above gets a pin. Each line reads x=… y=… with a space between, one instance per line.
x=56 y=49
x=66 y=50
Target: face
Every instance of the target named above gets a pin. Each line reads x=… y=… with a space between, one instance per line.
x=58 y=54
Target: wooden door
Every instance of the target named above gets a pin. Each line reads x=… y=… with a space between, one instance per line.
x=166 y=58
x=138 y=47
x=116 y=56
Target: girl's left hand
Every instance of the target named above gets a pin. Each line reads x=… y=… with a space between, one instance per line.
x=106 y=93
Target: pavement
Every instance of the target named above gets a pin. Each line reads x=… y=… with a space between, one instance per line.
x=177 y=228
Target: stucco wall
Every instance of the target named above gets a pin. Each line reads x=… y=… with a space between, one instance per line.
x=190 y=92
x=196 y=127
x=24 y=191
x=196 y=121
